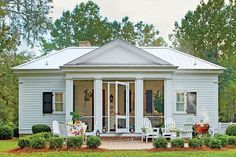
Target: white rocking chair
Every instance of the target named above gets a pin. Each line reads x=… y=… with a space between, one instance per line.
x=64 y=131
x=169 y=124
x=55 y=128
x=187 y=131
x=148 y=131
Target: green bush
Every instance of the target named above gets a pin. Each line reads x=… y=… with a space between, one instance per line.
x=40 y=128
x=223 y=138
x=232 y=140
x=24 y=142
x=177 y=143
x=215 y=143
x=56 y=142
x=160 y=143
x=45 y=135
x=231 y=130
x=195 y=143
x=38 y=143
x=6 y=132
x=206 y=141
x=74 y=142
x=93 y=142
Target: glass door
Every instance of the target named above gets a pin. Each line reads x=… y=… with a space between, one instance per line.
x=122 y=106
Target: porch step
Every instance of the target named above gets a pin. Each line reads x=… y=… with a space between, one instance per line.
x=120 y=138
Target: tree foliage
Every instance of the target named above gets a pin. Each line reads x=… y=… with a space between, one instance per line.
x=9 y=40
x=86 y=23
x=27 y=17
x=209 y=32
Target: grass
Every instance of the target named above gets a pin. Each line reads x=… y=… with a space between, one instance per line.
x=7 y=145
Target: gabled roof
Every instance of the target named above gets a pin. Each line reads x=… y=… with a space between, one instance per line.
x=83 y=56
x=117 y=52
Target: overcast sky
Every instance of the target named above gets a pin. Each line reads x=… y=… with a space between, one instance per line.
x=161 y=13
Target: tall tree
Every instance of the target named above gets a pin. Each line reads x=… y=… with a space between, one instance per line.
x=17 y=20
x=86 y=23
x=27 y=17
x=209 y=32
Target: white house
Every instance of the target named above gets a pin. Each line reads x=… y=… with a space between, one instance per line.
x=114 y=86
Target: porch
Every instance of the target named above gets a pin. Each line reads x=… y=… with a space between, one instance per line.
x=116 y=107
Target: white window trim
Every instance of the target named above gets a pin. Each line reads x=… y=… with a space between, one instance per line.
x=185 y=102
x=54 y=103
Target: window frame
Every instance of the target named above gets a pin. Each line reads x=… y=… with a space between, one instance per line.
x=185 y=101
x=54 y=102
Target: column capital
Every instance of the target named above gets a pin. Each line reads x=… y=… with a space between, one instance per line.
x=139 y=78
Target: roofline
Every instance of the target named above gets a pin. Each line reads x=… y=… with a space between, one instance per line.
x=116 y=66
x=51 y=54
x=186 y=54
x=125 y=43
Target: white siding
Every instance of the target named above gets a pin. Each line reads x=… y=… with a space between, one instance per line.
x=31 y=108
x=206 y=86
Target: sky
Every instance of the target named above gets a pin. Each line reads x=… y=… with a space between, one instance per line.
x=161 y=13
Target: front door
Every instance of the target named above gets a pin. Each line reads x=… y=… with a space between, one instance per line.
x=122 y=106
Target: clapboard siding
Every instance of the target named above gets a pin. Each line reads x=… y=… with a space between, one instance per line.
x=31 y=108
x=206 y=87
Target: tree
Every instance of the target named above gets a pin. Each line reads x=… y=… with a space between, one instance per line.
x=86 y=23
x=27 y=17
x=16 y=21
x=209 y=32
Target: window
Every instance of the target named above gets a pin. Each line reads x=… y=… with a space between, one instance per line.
x=180 y=102
x=58 y=102
x=186 y=102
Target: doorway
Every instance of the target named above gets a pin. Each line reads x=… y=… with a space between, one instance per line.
x=118 y=106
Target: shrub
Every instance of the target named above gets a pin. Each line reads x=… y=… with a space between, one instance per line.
x=40 y=128
x=177 y=143
x=93 y=142
x=223 y=138
x=215 y=143
x=56 y=142
x=231 y=130
x=24 y=142
x=160 y=143
x=45 y=135
x=232 y=140
x=75 y=142
x=6 y=132
x=38 y=143
x=15 y=132
x=195 y=143
x=206 y=141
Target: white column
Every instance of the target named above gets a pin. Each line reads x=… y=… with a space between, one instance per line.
x=98 y=105
x=168 y=98
x=69 y=99
x=138 y=105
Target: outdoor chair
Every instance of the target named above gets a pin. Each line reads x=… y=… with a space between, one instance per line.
x=168 y=132
x=148 y=131
x=64 y=130
x=187 y=130
x=55 y=128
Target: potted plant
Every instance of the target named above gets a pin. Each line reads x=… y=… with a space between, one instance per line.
x=75 y=117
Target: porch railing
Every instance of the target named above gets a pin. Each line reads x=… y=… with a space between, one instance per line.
x=223 y=126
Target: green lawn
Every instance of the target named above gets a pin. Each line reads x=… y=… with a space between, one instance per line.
x=6 y=145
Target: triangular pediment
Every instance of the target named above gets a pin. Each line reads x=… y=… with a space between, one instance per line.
x=118 y=52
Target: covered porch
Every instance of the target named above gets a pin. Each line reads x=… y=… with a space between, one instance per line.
x=116 y=107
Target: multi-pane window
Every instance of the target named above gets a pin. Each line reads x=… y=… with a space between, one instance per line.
x=180 y=102
x=186 y=102
x=58 y=102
